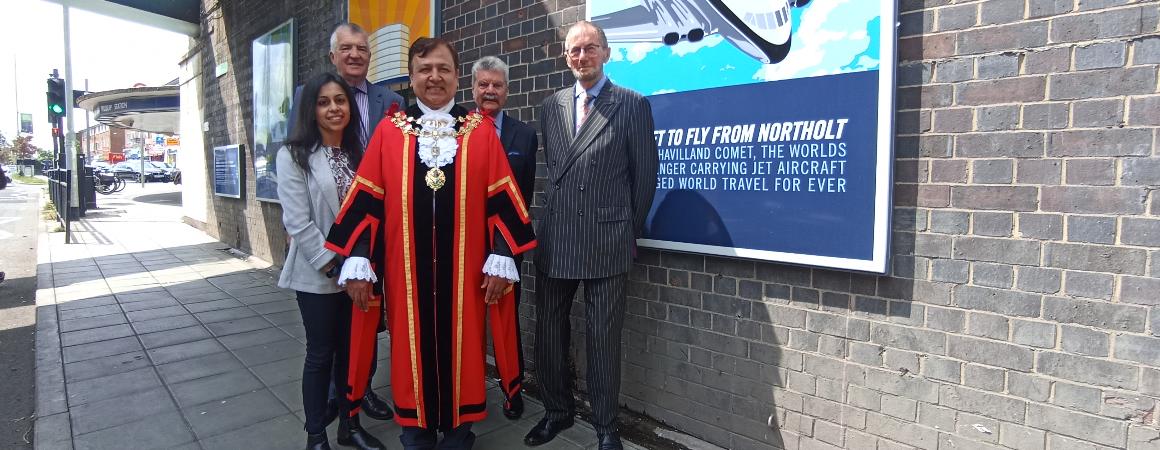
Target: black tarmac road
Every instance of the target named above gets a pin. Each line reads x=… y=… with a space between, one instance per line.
x=19 y=218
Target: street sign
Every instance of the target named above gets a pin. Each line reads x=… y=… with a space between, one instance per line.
x=159 y=140
x=25 y=123
x=172 y=141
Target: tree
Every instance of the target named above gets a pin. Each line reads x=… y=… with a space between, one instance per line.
x=19 y=148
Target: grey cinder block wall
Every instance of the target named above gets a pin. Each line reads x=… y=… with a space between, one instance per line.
x=1023 y=306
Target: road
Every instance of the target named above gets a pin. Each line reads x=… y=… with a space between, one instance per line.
x=19 y=216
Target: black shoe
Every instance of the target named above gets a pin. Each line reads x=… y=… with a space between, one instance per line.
x=609 y=441
x=331 y=412
x=352 y=434
x=513 y=409
x=317 y=441
x=546 y=430
x=375 y=408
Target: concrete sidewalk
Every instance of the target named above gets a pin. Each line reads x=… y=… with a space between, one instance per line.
x=150 y=334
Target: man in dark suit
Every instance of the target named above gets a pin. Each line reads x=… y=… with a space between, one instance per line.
x=489 y=87
x=351 y=55
x=602 y=165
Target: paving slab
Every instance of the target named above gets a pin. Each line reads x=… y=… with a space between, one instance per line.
x=130 y=407
x=221 y=416
x=213 y=305
x=164 y=324
x=250 y=338
x=271 y=351
x=235 y=326
x=150 y=304
x=99 y=349
x=150 y=314
x=279 y=372
x=88 y=303
x=199 y=367
x=89 y=311
x=104 y=366
x=275 y=434
x=168 y=354
x=111 y=386
x=157 y=431
x=91 y=335
x=92 y=322
x=215 y=387
x=174 y=337
x=225 y=314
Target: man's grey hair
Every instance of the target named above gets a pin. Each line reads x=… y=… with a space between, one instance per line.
x=599 y=31
x=351 y=27
x=489 y=63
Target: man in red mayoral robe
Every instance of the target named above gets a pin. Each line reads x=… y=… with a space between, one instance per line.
x=434 y=212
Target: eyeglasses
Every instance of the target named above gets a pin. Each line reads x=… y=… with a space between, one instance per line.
x=577 y=52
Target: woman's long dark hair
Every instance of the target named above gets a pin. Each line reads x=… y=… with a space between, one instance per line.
x=305 y=135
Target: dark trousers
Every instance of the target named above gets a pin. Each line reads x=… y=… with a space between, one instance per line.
x=326 y=318
x=604 y=300
x=415 y=438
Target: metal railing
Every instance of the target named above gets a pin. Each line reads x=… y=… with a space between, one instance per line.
x=61 y=194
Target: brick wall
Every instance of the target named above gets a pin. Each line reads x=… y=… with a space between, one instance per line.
x=1023 y=307
x=227 y=34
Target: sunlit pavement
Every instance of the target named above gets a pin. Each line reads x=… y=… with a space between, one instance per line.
x=150 y=334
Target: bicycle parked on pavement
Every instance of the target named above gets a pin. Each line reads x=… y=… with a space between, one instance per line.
x=107 y=183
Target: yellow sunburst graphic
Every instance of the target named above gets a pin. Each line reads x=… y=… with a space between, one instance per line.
x=373 y=14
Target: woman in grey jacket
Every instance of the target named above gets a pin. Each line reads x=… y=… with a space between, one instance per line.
x=315 y=170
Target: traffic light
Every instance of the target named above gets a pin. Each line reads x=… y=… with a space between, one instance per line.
x=55 y=99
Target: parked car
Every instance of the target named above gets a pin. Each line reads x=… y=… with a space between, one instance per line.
x=132 y=170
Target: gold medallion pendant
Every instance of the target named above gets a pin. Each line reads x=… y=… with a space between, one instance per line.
x=435 y=179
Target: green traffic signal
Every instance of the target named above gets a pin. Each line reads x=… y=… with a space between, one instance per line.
x=56 y=100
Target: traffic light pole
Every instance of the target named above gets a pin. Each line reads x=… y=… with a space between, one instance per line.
x=70 y=147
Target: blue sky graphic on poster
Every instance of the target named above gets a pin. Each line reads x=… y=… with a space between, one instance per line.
x=772 y=120
x=829 y=37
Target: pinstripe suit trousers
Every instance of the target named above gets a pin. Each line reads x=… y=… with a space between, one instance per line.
x=604 y=300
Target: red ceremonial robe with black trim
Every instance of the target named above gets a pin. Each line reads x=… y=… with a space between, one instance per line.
x=429 y=247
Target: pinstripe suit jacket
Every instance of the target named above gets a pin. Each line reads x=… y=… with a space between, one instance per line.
x=601 y=182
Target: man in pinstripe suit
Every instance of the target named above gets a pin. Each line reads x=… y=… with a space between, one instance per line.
x=602 y=166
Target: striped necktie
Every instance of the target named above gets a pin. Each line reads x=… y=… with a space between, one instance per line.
x=582 y=114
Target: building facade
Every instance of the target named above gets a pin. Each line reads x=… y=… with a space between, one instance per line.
x=1022 y=309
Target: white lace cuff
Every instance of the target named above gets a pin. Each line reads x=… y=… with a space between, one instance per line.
x=356 y=268
x=501 y=266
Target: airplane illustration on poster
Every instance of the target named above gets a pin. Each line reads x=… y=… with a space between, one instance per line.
x=754 y=27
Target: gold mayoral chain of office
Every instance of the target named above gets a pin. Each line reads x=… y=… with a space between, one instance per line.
x=437 y=140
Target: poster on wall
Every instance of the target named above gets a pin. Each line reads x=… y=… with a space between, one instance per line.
x=390 y=27
x=227 y=171
x=273 y=55
x=774 y=124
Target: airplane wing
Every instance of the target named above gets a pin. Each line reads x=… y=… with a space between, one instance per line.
x=635 y=24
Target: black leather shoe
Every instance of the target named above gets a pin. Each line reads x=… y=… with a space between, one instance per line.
x=352 y=434
x=609 y=441
x=546 y=430
x=513 y=409
x=331 y=413
x=375 y=408
x=317 y=441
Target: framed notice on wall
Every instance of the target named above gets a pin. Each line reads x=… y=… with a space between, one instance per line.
x=227 y=171
x=774 y=124
x=273 y=54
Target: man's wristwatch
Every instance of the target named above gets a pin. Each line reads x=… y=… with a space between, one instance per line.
x=334 y=269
